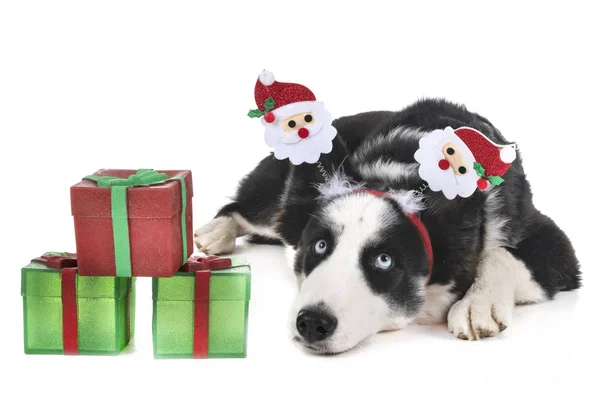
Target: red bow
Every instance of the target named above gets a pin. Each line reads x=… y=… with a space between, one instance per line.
x=205 y=264
x=58 y=260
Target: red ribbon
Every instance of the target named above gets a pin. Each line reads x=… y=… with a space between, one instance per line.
x=69 y=310
x=202 y=268
x=67 y=263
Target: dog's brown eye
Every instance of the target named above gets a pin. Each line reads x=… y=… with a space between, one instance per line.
x=462 y=169
x=308 y=118
x=383 y=262
x=450 y=150
x=292 y=124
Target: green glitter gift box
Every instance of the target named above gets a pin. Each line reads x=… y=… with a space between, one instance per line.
x=64 y=313
x=202 y=311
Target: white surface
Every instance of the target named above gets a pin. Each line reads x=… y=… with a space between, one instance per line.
x=124 y=84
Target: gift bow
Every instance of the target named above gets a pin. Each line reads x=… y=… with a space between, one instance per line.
x=208 y=263
x=58 y=260
x=143 y=177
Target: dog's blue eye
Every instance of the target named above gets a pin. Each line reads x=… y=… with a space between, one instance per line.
x=383 y=262
x=321 y=246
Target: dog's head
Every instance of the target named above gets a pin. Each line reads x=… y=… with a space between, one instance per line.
x=363 y=264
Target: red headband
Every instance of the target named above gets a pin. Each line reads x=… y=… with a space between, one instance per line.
x=415 y=221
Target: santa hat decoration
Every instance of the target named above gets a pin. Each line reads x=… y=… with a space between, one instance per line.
x=271 y=95
x=492 y=160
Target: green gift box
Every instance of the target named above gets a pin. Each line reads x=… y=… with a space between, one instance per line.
x=202 y=311
x=64 y=313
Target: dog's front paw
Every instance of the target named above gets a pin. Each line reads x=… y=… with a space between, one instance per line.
x=477 y=316
x=217 y=237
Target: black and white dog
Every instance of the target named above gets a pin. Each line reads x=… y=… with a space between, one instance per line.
x=363 y=263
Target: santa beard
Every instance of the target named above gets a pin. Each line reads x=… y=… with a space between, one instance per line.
x=430 y=153
x=307 y=150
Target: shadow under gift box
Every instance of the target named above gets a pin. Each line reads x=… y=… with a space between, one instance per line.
x=154 y=219
x=104 y=312
x=191 y=321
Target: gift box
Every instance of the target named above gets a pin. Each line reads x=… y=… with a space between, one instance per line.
x=202 y=311
x=130 y=223
x=64 y=313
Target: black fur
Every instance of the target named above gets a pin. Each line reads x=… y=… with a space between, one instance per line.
x=401 y=242
x=283 y=196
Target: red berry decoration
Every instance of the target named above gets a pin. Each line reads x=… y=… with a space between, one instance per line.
x=482 y=184
x=303 y=132
x=269 y=117
x=444 y=164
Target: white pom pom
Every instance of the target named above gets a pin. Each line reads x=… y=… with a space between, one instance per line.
x=267 y=78
x=338 y=185
x=409 y=201
x=508 y=154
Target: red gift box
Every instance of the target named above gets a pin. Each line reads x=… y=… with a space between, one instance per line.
x=156 y=224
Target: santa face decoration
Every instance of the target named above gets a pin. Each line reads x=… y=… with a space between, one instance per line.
x=296 y=125
x=457 y=162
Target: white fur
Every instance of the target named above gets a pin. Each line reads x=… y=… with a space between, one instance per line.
x=409 y=201
x=338 y=185
x=388 y=171
x=338 y=282
x=438 y=299
x=290 y=255
x=501 y=281
x=251 y=228
x=495 y=236
x=218 y=236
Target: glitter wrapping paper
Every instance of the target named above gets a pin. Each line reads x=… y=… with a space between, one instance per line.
x=153 y=220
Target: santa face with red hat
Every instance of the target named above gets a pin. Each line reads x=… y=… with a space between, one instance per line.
x=457 y=162
x=297 y=126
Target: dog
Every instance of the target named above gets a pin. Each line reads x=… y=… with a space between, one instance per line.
x=361 y=257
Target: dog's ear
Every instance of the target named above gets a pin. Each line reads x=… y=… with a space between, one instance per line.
x=338 y=185
x=409 y=201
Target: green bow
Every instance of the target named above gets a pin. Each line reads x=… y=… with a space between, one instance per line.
x=143 y=177
x=495 y=180
x=257 y=113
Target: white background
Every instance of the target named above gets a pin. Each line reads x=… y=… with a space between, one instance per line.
x=167 y=85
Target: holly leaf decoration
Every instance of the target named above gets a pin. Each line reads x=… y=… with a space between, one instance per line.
x=479 y=170
x=495 y=180
x=255 y=113
x=269 y=104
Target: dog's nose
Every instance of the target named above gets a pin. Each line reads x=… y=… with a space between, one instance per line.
x=315 y=325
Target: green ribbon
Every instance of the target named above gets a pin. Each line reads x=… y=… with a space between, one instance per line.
x=120 y=218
